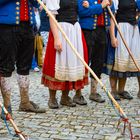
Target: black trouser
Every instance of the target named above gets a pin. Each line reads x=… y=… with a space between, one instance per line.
x=96 y=43
x=16 y=47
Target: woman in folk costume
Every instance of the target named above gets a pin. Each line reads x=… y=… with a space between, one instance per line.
x=62 y=69
x=123 y=65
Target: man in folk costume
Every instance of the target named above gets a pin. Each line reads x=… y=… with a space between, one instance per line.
x=94 y=18
x=17 y=45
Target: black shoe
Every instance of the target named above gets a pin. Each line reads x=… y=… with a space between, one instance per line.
x=126 y=95
x=116 y=96
x=79 y=100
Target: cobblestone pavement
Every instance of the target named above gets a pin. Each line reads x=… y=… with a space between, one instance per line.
x=91 y=122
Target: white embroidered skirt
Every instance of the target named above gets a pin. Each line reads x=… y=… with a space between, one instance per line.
x=123 y=61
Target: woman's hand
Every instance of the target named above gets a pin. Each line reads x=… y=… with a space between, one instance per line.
x=58 y=45
x=114 y=42
x=85 y=4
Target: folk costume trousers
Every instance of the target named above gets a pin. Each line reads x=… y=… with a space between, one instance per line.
x=96 y=43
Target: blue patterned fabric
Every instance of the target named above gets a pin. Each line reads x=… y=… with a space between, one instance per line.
x=10 y=11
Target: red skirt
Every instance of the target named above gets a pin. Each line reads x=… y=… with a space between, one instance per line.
x=48 y=76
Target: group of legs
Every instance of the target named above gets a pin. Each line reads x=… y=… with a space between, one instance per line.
x=118 y=88
x=25 y=103
x=13 y=52
x=65 y=99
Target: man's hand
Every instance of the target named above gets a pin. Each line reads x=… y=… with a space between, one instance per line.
x=85 y=4
x=105 y=3
x=40 y=8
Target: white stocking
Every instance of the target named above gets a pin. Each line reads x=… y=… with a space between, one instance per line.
x=23 y=82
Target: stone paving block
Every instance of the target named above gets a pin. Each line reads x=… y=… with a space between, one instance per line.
x=98 y=137
x=81 y=135
x=83 y=139
x=62 y=137
x=5 y=138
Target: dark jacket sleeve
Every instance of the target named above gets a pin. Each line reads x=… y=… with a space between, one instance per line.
x=138 y=4
x=34 y=3
x=2 y=2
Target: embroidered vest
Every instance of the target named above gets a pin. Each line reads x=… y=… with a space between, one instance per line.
x=67 y=11
x=127 y=11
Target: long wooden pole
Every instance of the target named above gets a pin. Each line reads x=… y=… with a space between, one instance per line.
x=12 y=122
x=125 y=43
x=82 y=60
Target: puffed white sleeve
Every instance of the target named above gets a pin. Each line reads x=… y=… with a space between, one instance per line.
x=116 y=3
x=53 y=5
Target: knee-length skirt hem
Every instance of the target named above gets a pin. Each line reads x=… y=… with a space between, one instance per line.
x=125 y=66
x=55 y=84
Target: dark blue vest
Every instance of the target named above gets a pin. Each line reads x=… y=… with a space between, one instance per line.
x=68 y=11
x=127 y=11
